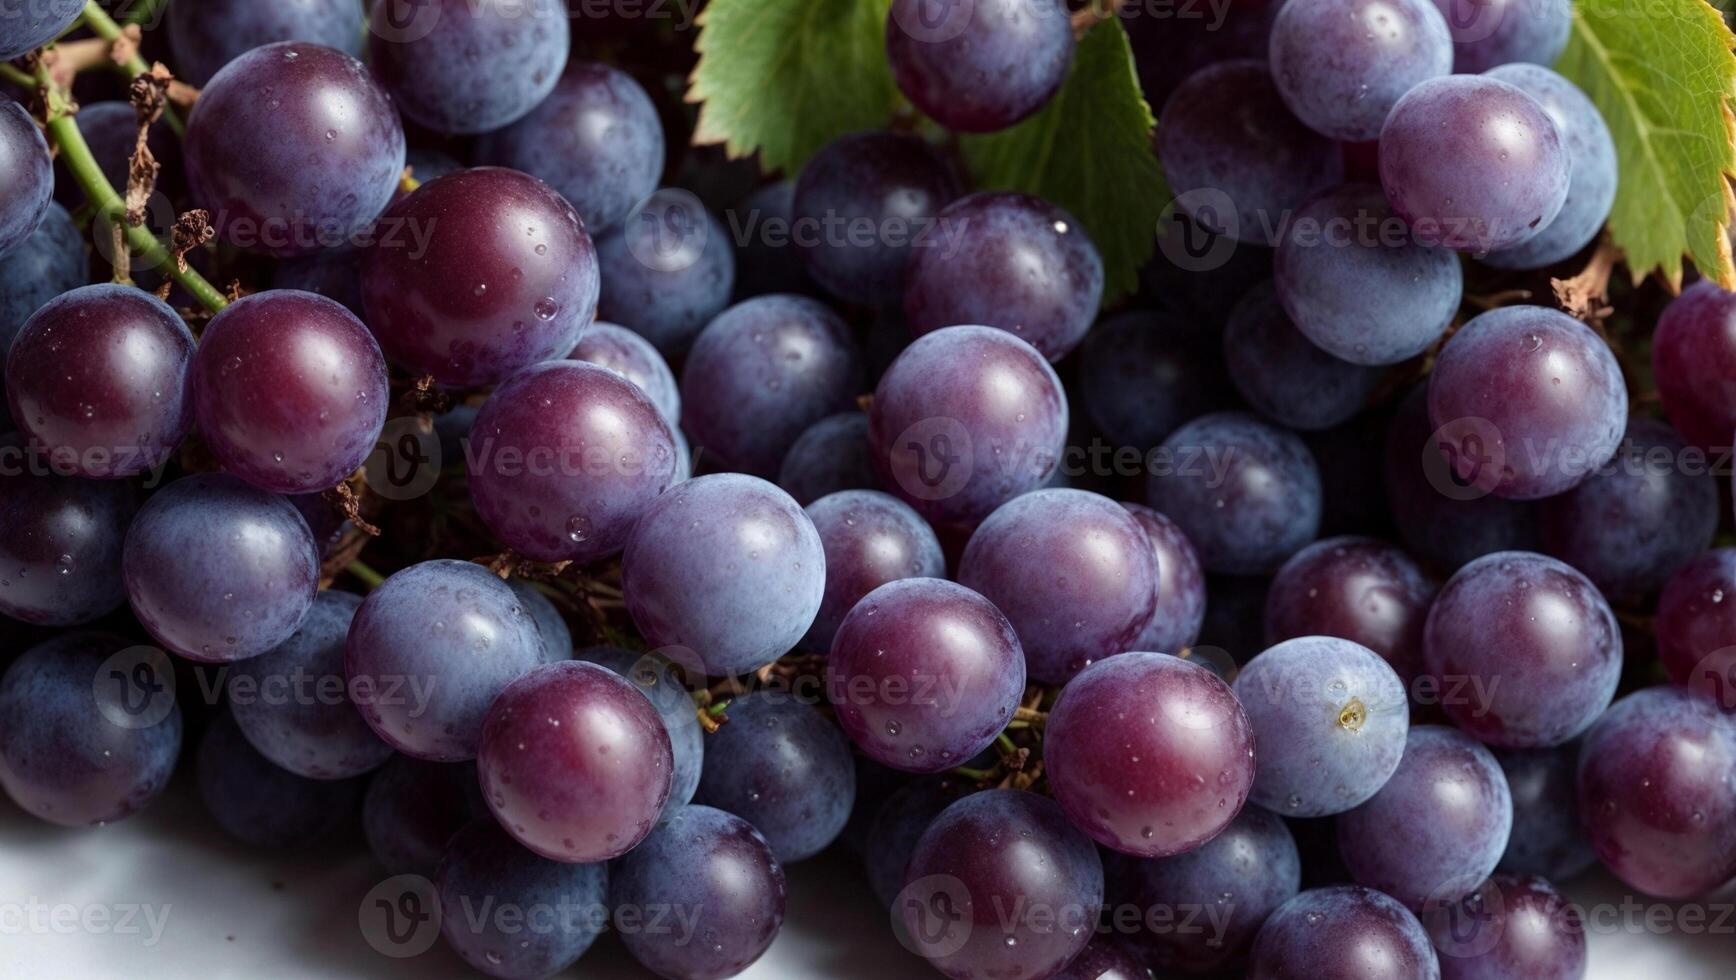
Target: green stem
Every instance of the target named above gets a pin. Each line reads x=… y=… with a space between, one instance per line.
x=144 y=13
x=975 y=775
x=717 y=709
x=1006 y=744
x=366 y=573
x=9 y=72
x=104 y=26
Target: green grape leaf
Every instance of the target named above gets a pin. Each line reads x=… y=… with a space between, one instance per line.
x=785 y=77
x=1664 y=77
x=1089 y=151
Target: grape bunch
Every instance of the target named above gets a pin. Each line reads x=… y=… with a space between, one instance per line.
x=426 y=429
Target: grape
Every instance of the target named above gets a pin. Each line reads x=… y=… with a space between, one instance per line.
x=985 y=65
x=656 y=679
x=1228 y=142
x=1166 y=50
x=60 y=558
x=111 y=130
x=1473 y=163
x=1527 y=402
x=264 y=806
x=765 y=259
x=1283 y=374
x=1247 y=494
x=1696 y=628
x=1024 y=883
x=98 y=378
x=1181 y=585
x=966 y=419
x=335 y=273
x=212 y=33
x=1330 y=718
x=429 y=651
x=328 y=524
x=1438 y=826
x=1524 y=649
x=1693 y=353
x=1073 y=571
x=509 y=53
x=479 y=299
x=292 y=704
x=898 y=824
x=870 y=539
x=1546 y=838
x=289 y=390
x=1356 y=588
x=1103 y=959
x=1011 y=261
x=596 y=139
x=541 y=915
x=293 y=147
x=35 y=23
x=1512 y=926
x=727 y=566
x=413 y=808
x=831 y=456
x=575 y=762
x=557 y=639
x=49 y=262
x=1344 y=931
x=894 y=184
x=219 y=571
x=1143 y=374
x=1149 y=754
x=1591 y=189
x=721 y=868
x=1488 y=33
x=1356 y=282
x=1341 y=64
x=1247 y=871
x=1654 y=792
x=1632 y=523
x=632 y=357
x=666 y=275
x=64 y=758
x=781 y=766
x=565 y=457
x=761 y=373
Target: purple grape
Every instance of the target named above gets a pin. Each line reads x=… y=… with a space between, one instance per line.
x=632 y=357
x=28 y=173
x=727 y=566
x=870 y=539
x=766 y=259
x=289 y=390
x=1103 y=959
x=1243 y=874
x=596 y=139
x=335 y=273
x=1239 y=162
x=557 y=639
x=1511 y=926
x=1696 y=627
x=1527 y=402
x=1341 y=64
x=983 y=66
x=328 y=524
x=1143 y=374
x=898 y=824
x=1283 y=374
x=667 y=271
x=510 y=53
x=111 y=130
x=542 y=915
x=1546 y=838
x=430 y=650
x=761 y=373
x=1149 y=754
x=88 y=741
x=98 y=378
x=715 y=864
x=1166 y=50
x=1632 y=523
x=892 y=182
x=49 y=262
x=1330 y=718
x=1181 y=586
x=1437 y=828
x=60 y=558
x=31 y=25
x=1591 y=189
x=293 y=148
x=1359 y=589
x=1246 y=493
x=293 y=705
x=219 y=571
x=1473 y=163
x=1073 y=571
x=413 y=808
x=966 y=419
x=264 y=806
x=980 y=873
x=565 y=457
x=1357 y=283
x=1654 y=792
x=1012 y=261
x=575 y=762
x=210 y=34
x=656 y=678
x=1693 y=353
x=1345 y=932
x=1489 y=33
x=831 y=456
x=1524 y=650
x=480 y=299
x=782 y=766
